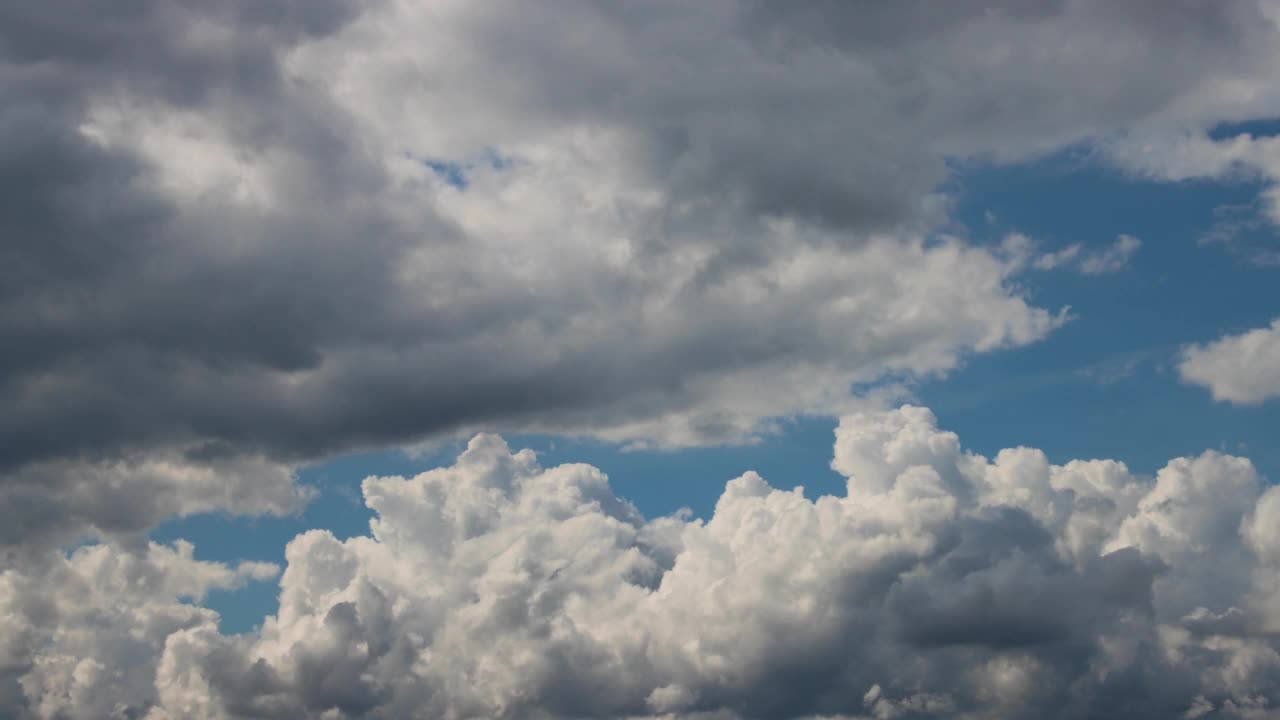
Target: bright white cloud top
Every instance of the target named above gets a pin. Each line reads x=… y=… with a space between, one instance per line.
x=942 y=583
x=1243 y=368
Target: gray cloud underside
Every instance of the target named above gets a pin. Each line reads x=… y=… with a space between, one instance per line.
x=222 y=230
x=942 y=584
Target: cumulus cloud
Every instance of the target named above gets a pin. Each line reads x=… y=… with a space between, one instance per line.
x=1243 y=368
x=940 y=584
x=83 y=632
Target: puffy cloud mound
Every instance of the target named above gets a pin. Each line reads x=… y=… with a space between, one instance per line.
x=1243 y=369
x=82 y=632
x=941 y=584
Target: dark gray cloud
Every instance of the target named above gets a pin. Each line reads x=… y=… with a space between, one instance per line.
x=147 y=302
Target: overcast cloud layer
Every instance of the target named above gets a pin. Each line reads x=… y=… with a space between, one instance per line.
x=240 y=236
x=942 y=584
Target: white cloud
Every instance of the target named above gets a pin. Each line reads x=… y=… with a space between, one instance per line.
x=1196 y=156
x=1110 y=259
x=83 y=633
x=1053 y=260
x=1243 y=369
x=942 y=583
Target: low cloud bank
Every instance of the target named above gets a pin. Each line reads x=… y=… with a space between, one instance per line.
x=942 y=584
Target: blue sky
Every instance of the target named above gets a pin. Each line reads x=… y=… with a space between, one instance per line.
x=1104 y=385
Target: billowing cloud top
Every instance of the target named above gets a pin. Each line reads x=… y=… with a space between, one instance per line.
x=941 y=584
x=245 y=235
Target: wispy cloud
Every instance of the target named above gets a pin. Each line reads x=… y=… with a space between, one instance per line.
x=1091 y=261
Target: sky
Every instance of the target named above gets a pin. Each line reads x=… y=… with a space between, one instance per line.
x=720 y=361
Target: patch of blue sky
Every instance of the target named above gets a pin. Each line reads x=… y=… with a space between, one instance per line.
x=1264 y=127
x=456 y=173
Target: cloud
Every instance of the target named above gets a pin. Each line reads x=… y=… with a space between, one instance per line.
x=1186 y=156
x=241 y=236
x=1242 y=231
x=83 y=632
x=1242 y=369
x=1110 y=259
x=230 y=225
x=53 y=503
x=1058 y=258
x=942 y=583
